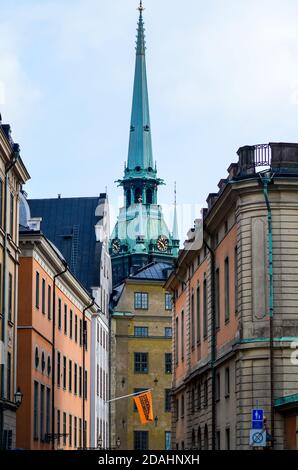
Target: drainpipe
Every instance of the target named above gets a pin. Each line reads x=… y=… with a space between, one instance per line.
x=84 y=350
x=266 y=179
x=53 y=350
x=213 y=346
x=10 y=165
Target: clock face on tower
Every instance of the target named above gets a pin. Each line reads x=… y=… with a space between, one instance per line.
x=116 y=246
x=162 y=244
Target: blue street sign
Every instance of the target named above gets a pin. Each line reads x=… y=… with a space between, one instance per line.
x=257 y=419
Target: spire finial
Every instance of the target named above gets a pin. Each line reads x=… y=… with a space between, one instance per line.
x=141 y=7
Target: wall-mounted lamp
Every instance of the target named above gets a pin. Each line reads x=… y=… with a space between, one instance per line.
x=123 y=423
x=156 y=380
x=118 y=442
x=123 y=381
x=18 y=398
x=156 y=421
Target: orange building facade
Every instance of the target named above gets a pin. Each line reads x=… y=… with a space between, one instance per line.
x=235 y=322
x=53 y=363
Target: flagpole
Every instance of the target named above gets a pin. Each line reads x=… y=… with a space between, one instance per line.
x=130 y=395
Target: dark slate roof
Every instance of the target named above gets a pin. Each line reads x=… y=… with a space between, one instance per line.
x=69 y=224
x=154 y=271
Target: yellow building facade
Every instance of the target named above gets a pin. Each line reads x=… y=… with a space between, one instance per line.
x=141 y=358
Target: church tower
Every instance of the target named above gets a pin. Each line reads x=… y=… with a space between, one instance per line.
x=141 y=235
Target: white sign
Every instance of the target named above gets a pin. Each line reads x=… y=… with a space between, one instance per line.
x=257 y=438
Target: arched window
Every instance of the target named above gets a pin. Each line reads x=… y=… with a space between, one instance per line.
x=199 y=439
x=138 y=195
x=149 y=198
x=206 y=442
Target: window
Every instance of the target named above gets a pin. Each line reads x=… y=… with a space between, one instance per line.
x=205 y=309
x=198 y=315
x=48 y=411
x=199 y=399
x=199 y=439
x=81 y=332
x=64 y=429
x=70 y=323
x=141 y=300
x=9 y=376
x=11 y=215
x=49 y=302
x=10 y=297
x=85 y=333
x=75 y=379
x=36 y=358
x=35 y=415
x=192 y=315
x=85 y=385
x=141 y=363
x=64 y=372
x=168 y=400
x=217 y=299
x=97 y=380
x=75 y=432
x=227 y=382
x=59 y=313
x=37 y=289
x=206 y=438
x=168 y=301
x=217 y=387
x=58 y=368
x=49 y=368
x=76 y=328
x=42 y=401
x=80 y=381
x=193 y=407
x=168 y=363
x=141 y=331
x=43 y=296
x=168 y=332
x=70 y=431
x=141 y=441
x=228 y=443
x=177 y=341
x=80 y=432
x=227 y=290
x=65 y=319
x=168 y=440
x=182 y=335
x=177 y=409
x=206 y=393
x=70 y=376
x=182 y=406
x=236 y=278
x=58 y=426
x=43 y=362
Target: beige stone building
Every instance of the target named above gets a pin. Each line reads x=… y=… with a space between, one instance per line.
x=13 y=175
x=235 y=319
x=141 y=358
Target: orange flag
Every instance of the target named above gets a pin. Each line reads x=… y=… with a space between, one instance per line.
x=144 y=406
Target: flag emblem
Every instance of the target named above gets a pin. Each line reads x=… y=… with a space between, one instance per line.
x=143 y=403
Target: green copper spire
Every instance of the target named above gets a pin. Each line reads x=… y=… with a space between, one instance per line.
x=140 y=146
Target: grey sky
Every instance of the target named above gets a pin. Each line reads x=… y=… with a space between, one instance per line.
x=221 y=73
